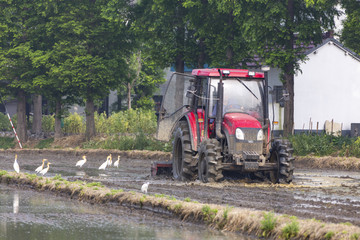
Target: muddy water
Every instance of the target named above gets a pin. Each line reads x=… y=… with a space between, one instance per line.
x=32 y=215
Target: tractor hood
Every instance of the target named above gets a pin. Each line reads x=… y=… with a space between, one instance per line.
x=239 y=120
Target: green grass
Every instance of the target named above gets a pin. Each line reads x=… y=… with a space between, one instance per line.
x=291 y=229
x=94 y=184
x=58 y=177
x=209 y=213
x=7 y=142
x=46 y=143
x=268 y=223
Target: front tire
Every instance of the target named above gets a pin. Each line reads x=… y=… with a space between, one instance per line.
x=281 y=153
x=209 y=169
x=184 y=165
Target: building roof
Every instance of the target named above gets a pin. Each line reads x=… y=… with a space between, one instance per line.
x=336 y=44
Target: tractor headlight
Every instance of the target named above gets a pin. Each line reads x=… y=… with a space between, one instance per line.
x=260 y=135
x=239 y=134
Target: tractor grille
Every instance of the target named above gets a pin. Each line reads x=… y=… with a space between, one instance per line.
x=243 y=146
x=250 y=133
x=250 y=144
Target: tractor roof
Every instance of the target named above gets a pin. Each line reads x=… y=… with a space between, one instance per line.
x=214 y=72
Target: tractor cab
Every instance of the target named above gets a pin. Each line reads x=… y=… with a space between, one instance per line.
x=219 y=121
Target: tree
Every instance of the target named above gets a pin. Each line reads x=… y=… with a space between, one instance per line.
x=279 y=32
x=16 y=53
x=89 y=51
x=351 y=31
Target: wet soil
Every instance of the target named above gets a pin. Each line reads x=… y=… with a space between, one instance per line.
x=327 y=195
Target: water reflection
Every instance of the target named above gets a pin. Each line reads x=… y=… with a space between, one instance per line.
x=16 y=203
x=44 y=216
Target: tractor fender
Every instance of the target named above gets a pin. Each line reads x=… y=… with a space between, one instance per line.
x=189 y=117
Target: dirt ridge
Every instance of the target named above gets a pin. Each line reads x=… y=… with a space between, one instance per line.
x=226 y=218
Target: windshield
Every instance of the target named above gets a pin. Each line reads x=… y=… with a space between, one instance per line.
x=240 y=95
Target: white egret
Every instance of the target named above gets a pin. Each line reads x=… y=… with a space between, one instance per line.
x=16 y=165
x=103 y=166
x=144 y=187
x=116 y=164
x=109 y=160
x=45 y=170
x=41 y=167
x=81 y=162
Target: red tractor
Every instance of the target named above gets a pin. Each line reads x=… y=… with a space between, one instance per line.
x=218 y=119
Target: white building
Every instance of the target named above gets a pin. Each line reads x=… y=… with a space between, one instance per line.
x=327 y=88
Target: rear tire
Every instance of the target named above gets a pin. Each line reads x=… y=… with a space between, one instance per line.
x=281 y=153
x=209 y=169
x=184 y=165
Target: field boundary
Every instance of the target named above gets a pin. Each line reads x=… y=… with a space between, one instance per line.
x=226 y=218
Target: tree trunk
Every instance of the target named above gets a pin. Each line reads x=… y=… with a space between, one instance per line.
x=289 y=104
x=90 y=121
x=289 y=74
x=21 y=117
x=58 y=133
x=37 y=117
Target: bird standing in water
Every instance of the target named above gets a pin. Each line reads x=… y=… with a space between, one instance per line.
x=144 y=187
x=41 y=167
x=45 y=170
x=16 y=165
x=81 y=162
x=109 y=160
x=106 y=163
x=116 y=164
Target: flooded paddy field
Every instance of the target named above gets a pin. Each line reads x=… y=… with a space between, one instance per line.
x=26 y=214
x=327 y=195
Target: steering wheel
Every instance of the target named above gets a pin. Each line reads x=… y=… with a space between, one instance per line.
x=232 y=107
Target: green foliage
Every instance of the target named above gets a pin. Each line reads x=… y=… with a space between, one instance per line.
x=46 y=143
x=48 y=123
x=177 y=207
x=268 y=223
x=187 y=199
x=74 y=123
x=115 y=191
x=209 y=213
x=101 y=123
x=2 y=173
x=321 y=145
x=329 y=235
x=58 y=177
x=291 y=229
x=7 y=142
x=355 y=236
x=351 y=26
x=94 y=184
x=4 y=123
x=137 y=142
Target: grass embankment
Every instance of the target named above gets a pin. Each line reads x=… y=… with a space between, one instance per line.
x=259 y=223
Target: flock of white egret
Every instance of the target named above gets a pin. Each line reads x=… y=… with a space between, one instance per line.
x=80 y=163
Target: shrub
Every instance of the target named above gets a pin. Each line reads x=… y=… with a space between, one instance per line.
x=4 y=123
x=48 y=123
x=319 y=145
x=74 y=123
x=101 y=122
